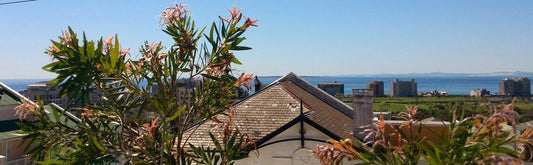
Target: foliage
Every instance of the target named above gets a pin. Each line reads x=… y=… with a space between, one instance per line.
x=438 y=107
x=140 y=115
x=233 y=144
x=471 y=140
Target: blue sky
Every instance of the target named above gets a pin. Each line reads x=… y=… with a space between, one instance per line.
x=306 y=37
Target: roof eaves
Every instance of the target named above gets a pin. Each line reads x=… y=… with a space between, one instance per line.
x=296 y=120
x=322 y=129
x=17 y=96
x=69 y=115
x=273 y=134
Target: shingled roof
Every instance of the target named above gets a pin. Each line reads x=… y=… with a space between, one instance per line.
x=276 y=107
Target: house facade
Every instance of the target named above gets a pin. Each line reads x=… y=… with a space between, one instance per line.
x=287 y=118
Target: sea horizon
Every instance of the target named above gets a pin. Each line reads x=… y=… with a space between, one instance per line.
x=454 y=85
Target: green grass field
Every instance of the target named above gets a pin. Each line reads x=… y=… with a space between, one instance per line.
x=439 y=107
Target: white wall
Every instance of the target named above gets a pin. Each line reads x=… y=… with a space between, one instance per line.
x=3 y=160
x=289 y=152
x=7 y=112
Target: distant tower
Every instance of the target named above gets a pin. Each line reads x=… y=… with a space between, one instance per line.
x=517 y=87
x=377 y=88
x=404 y=88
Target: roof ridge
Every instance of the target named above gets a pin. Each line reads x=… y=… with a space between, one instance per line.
x=255 y=93
x=321 y=95
x=290 y=74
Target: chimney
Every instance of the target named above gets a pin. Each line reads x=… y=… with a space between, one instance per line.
x=363 y=106
x=257 y=84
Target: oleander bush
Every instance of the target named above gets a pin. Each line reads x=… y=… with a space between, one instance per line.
x=130 y=124
x=471 y=140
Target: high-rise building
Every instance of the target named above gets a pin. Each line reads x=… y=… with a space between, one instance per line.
x=377 y=88
x=332 y=88
x=45 y=92
x=183 y=95
x=516 y=87
x=403 y=88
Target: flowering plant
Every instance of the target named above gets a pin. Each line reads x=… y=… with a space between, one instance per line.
x=140 y=113
x=471 y=140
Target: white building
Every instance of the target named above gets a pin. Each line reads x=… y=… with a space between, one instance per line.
x=480 y=93
x=44 y=92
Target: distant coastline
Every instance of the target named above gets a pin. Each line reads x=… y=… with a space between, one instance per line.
x=442 y=74
x=429 y=74
x=453 y=83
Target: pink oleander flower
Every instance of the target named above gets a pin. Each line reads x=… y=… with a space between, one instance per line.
x=149 y=51
x=87 y=114
x=236 y=15
x=244 y=80
x=336 y=152
x=249 y=22
x=151 y=127
x=25 y=108
x=109 y=40
x=124 y=52
x=174 y=13
x=52 y=49
x=65 y=38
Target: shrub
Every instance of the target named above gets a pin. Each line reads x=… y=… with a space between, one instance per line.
x=131 y=124
x=471 y=140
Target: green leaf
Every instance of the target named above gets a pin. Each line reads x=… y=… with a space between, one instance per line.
x=506 y=151
x=214 y=139
x=97 y=144
x=178 y=112
x=56 y=114
x=240 y=48
x=236 y=61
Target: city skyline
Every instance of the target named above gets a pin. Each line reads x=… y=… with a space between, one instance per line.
x=306 y=37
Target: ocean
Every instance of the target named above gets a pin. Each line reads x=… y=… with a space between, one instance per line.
x=453 y=85
x=459 y=85
x=19 y=84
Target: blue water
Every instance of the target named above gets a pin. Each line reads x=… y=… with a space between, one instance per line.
x=20 y=84
x=452 y=85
